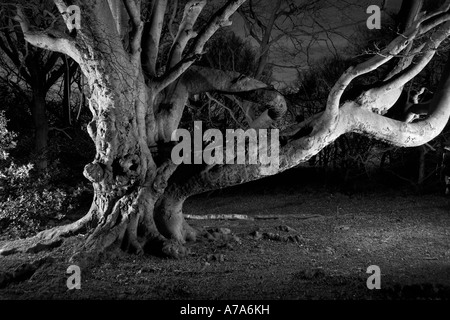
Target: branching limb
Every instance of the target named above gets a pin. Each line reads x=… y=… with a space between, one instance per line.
x=393 y=49
x=198 y=80
x=218 y=20
x=62 y=7
x=427 y=21
x=383 y=97
x=301 y=147
x=51 y=40
x=152 y=37
x=172 y=18
x=185 y=31
x=334 y=97
x=413 y=70
x=121 y=17
x=136 y=35
x=405 y=134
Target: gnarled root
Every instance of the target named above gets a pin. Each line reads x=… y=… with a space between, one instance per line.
x=130 y=222
x=170 y=221
x=47 y=239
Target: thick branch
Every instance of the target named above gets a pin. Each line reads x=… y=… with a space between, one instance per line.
x=152 y=37
x=198 y=80
x=62 y=7
x=121 y=17
x=185 y=31
x=409 y=12
x=385 y=96
x=136 y=34
x=274 y=103
x=393 y=49
x=429 y=50
x=172 y=18
x=334 y=97
x=51 y=40
x=218 y=20
x=352 y=119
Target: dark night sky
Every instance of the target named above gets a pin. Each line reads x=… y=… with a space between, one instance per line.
x=347 y=20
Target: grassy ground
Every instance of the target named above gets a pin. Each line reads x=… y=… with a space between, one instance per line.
x=320 y=249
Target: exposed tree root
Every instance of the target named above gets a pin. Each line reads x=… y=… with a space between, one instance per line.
x=170 y=221
x=126 y=223
x=246 y=217
x=47 y=239
x=130 y=225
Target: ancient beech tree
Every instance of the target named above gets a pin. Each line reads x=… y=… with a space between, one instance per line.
x=137 y=103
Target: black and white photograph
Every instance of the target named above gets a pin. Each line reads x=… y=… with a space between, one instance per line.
x=222 y=158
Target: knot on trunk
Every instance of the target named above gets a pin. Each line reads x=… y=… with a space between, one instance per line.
x=159 y=185
x=94 y=172
x=130 y=165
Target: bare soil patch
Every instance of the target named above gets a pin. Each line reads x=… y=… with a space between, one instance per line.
x=324 y=256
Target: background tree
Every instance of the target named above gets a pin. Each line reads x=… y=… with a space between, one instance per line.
x=136 y=108
x=289 y=33
x=25 y=66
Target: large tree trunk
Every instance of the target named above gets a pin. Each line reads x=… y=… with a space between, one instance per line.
x=127 y=177
x=123 y=171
